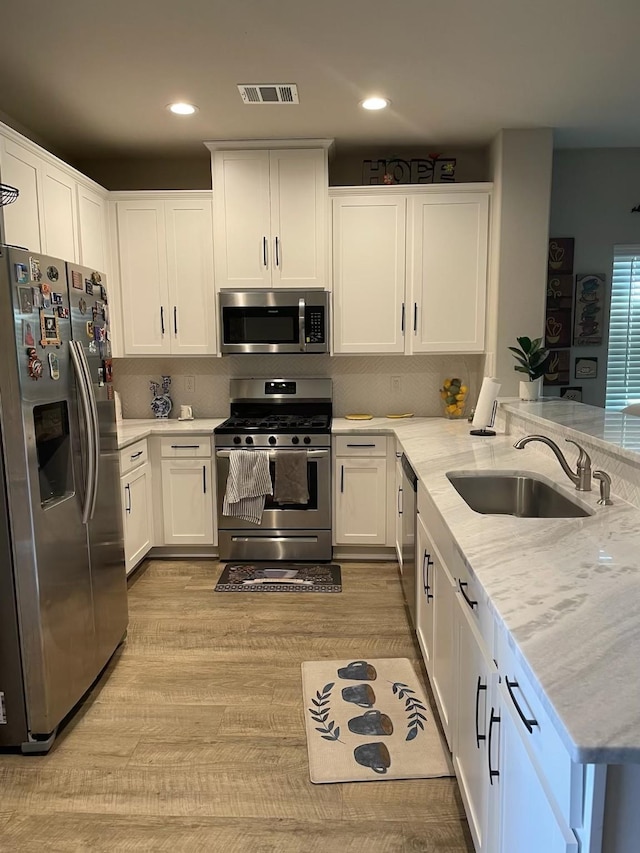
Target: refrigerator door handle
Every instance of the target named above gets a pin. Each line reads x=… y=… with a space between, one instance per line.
x=94 y=423
x=88 y=426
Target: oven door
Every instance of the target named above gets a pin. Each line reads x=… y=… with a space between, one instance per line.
x=314 y=515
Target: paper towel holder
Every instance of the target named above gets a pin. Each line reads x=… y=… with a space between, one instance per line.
x=485 y=430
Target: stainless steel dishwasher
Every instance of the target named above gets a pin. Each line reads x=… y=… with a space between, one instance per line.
x=408 y=575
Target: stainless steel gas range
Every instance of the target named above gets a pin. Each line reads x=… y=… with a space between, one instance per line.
x=277 y=415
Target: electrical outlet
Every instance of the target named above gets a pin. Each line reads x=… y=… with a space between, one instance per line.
x=190 y=384
x=396 y=384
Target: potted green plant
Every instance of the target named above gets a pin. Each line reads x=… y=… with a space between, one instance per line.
x=532 y=358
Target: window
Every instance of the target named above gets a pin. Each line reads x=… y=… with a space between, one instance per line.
x=623 y=365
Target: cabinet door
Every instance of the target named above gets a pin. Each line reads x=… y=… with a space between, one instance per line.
x=361 y=501
x=23 y=218
x=60 y=213
x=299 y=217
x=136 y=514
x=190 y=273
x=143 y=277
x=369 y=274
x=424 y=593
x=242 y=231
x=474 y=685
x=398 y=509
x=529 y=819
x=448 y=272
x=443 y=678
x=92 y=218
x=187 y=502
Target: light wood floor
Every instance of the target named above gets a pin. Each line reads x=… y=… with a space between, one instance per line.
x=193 y=740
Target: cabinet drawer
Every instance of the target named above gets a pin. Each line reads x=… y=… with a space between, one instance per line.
x=360 y=445
x=190 y=445
x=474 y=599
x=563 y=777
x=133 y=456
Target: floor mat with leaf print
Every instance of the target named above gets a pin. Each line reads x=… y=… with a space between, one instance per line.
x=369 y=720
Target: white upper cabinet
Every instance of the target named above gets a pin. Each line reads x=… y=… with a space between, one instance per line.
x=166 y=274
x=410 y=269
x=92 y=220
x=368 y=274
x=20 y=168
x=58 y=212
x=270 y=218
x=448 y=272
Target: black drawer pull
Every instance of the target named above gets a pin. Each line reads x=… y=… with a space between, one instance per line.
x=495 y=718
x=470 y=602
x=479 y=686
x=360 y=445
x=185 y=446
x=135 y=455
x=529 y=724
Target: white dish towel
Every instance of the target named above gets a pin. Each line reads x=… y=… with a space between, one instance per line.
x=248 y=483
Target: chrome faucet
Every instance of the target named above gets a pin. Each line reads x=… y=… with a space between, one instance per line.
x=582 y=478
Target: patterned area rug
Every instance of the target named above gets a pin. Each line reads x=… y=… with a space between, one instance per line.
x=280 y=577
x=369 y=720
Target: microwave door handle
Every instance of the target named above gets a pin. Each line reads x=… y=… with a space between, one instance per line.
x=301 y=330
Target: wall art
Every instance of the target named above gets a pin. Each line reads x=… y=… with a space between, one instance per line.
x=586 y=368
x=557 y=330
x=560 y=258
x=572 y=392
x=558 y=368
x=434 y=169
x=587 y=328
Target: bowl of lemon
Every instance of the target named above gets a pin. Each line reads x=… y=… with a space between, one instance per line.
x=454 y=397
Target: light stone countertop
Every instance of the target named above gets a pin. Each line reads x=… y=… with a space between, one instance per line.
x=566 y=590
x=131 y=430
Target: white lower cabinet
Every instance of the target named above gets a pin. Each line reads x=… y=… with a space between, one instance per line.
x=136 y=514
x=360 y=490
x=475 y=680
x=424 y=594
x=187 y=501
x=398 y=508
x=527 y=817
x=443 y=666
x=185 y=493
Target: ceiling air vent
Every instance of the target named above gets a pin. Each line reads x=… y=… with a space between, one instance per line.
x=269 y=93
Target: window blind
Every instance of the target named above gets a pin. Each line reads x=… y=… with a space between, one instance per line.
x=623 y=364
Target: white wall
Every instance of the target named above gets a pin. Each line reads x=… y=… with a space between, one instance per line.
x=591 y=199
x=521 y=163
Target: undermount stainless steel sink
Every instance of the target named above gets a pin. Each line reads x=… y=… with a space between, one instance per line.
x=513 y=494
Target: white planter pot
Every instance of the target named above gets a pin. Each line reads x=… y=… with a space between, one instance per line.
x=530 y=390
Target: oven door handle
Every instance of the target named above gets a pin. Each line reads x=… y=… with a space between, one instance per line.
x=301 y=328
x=312 y=454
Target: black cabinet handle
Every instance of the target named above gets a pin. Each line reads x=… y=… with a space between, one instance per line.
x=175 y=319
x=399 y=503
x=277 y=252
x=342 y=478
x=470 y=602
x=361 y=445
x=264 y=251
x=162 y=318
x=127 y=489
x=415 y=317
x=185 y=446
x=402 y=321
x=495 y=718
x=204 y=479
x=529 y=723
x=135 y=455
x=479 y=686
x=426 y=562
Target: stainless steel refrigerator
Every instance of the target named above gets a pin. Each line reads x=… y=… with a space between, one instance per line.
x=63 y=593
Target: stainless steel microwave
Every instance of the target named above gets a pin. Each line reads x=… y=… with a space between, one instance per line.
x=275 y=321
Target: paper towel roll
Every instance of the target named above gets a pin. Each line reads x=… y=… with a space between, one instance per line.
x=484 y=407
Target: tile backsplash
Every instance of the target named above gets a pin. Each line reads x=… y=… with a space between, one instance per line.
x=375 y=384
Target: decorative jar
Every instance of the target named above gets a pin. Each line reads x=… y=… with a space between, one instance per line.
x=454 y=393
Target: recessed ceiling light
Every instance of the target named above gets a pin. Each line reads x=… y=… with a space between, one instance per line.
x=375 y=103
x=182 y=109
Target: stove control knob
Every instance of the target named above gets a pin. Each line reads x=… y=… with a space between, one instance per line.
x=307 y=439
x=272 y=439
x=236 y=439
x=295 y=440
x=248 y=440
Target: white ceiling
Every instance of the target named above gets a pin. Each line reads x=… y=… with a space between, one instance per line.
x=92 y=78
